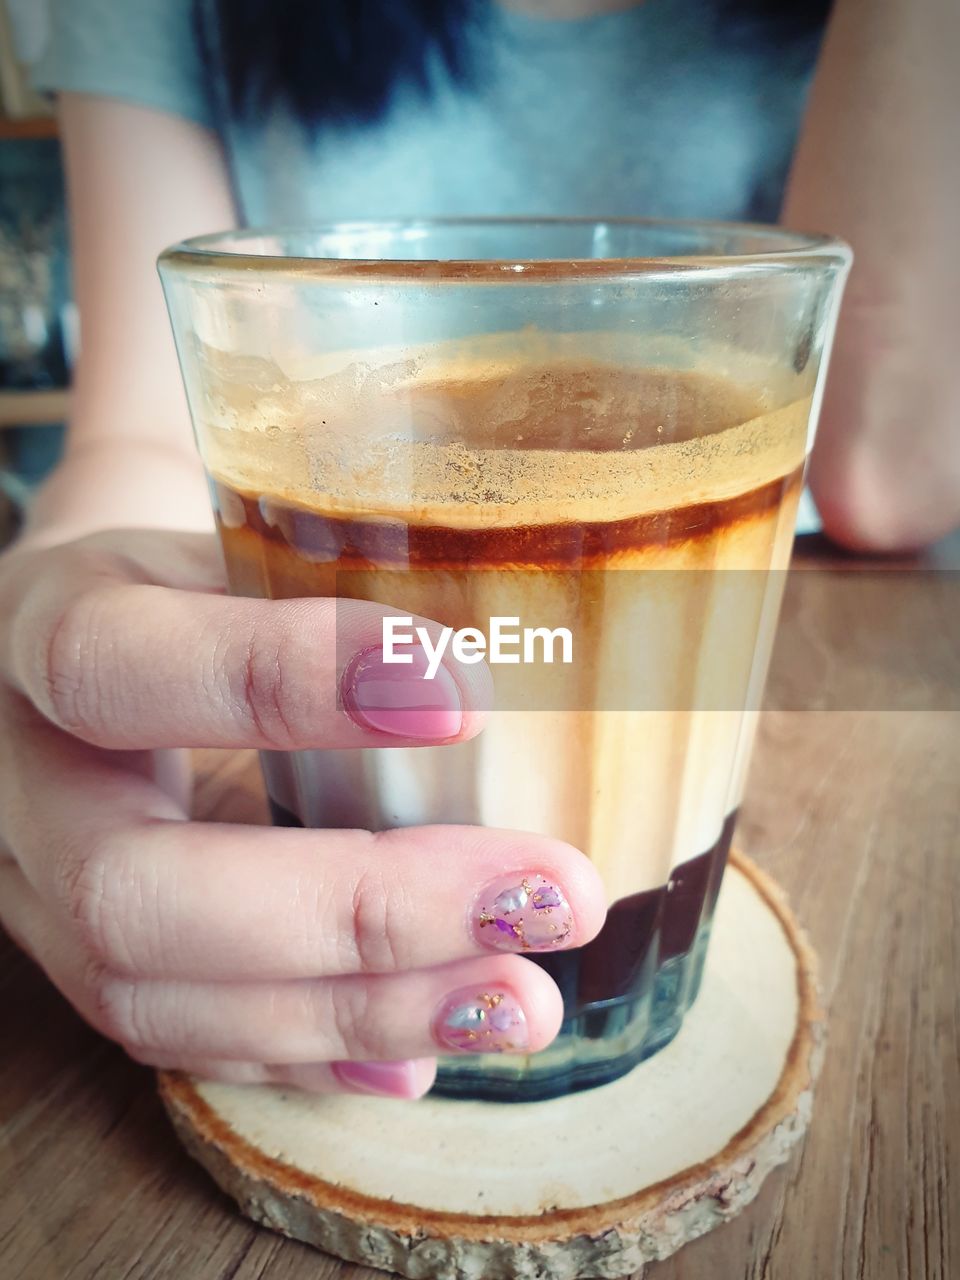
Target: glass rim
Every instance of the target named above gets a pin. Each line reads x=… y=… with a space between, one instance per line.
x=786 y=248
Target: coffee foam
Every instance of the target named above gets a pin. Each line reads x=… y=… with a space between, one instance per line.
x=566 y=440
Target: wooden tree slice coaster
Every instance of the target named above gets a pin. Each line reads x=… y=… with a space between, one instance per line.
x=595 y=1184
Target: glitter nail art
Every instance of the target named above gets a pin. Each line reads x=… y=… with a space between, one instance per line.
x=481 y=1022
x=526 y=913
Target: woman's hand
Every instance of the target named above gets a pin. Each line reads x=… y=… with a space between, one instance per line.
x=326 y=959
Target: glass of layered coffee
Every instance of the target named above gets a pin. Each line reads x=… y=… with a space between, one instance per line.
x=591 y=436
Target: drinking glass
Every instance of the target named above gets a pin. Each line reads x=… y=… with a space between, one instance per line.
x=597 y=428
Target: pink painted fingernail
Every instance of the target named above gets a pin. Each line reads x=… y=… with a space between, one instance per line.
x=472 y=1021
x=399 y=699
x=389 y=1079
x=523 y=913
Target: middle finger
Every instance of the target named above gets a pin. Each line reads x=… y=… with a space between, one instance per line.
x=154 y=896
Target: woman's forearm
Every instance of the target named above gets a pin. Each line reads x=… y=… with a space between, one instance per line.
x=878 y=164
x=117 y=484
x=138 y=180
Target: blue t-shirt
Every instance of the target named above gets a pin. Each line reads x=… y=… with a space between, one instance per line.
x=662 y=110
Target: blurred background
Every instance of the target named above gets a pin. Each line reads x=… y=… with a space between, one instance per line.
x=38 y=323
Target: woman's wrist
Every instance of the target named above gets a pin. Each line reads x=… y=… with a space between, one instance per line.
x=111 y=483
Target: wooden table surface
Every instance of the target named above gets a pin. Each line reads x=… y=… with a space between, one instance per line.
x=853 y=805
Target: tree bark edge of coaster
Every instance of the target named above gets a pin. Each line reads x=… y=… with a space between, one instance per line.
x=228 y=1130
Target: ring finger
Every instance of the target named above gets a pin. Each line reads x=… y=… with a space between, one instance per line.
x=500 y=1005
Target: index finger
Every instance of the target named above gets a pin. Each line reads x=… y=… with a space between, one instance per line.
x=130 y=666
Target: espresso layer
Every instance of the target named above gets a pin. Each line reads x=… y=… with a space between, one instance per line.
x=394 y=543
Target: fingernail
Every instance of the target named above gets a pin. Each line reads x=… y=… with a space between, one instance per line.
x=389 y=1079
x=474 y=1021
x=523 y=913
x=398 y=699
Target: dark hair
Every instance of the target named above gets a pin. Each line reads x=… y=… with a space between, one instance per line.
x=342 y=60
x=331 y=60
